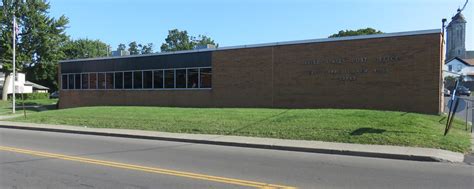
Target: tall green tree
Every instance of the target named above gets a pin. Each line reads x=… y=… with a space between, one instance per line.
x=84 y=48
x=133 y=48
x=146 y=49
x=177 y=41
x=365 y=31
x=39 y=40
x=180 y=40
x=121 y=47
x=204 y=40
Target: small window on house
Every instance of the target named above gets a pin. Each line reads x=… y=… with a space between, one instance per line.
x=147 y=79
x=169 y=78
x=181 y=78
x=109 y=80
x=64 y=81
x=118 y=80
x=71 y=81
x=127 y=80
x=193 y=78
x=450 y=68
x=158 y=79
x=85 y=81
x=77 y=81
x=137 y=80
x=101 y=80
x=93 y=80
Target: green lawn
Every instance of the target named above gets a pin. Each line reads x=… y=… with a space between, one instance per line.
x=46 y=104
x=349 y=126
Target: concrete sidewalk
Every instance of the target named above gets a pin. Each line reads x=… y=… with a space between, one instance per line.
x=380 y=151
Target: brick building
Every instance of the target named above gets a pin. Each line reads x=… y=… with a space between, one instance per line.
x=393 y=71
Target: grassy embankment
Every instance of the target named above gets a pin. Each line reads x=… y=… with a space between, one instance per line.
x=348 y=126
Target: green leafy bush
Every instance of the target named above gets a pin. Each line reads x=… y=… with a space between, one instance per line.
x=31 y=96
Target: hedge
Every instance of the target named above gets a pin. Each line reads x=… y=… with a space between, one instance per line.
x=31 y=96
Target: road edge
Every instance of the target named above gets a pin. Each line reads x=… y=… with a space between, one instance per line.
x=437 y=155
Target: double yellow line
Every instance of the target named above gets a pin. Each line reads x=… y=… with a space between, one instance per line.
x=148 y=169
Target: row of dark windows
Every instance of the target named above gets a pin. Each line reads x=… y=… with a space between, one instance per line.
x=147 y=79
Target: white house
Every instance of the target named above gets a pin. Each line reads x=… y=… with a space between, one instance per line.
x=456 y=67
x=21 y=85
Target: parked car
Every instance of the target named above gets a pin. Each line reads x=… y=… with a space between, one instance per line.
x=54 y=94
x=463 y=91
x=447 y=92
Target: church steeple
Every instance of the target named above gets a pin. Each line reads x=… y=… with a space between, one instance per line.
x=456 y=39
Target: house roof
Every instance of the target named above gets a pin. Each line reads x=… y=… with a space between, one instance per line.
x=467 y=62
x=36 y=86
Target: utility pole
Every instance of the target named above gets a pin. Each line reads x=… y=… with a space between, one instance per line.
x=14 y=63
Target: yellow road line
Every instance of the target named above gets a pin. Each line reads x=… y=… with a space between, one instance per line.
x=149 y=169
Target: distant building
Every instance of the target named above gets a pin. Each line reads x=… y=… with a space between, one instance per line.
x=456 y=38
x=206 y=46
x=457 y=67
x=120 y=53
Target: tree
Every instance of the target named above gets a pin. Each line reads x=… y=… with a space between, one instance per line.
x=204 y=40
x=133 y=48
x=177 y=41
x=180 y=40
x=84 y=48
x=366 y=31
x=146 y=49
x=450 y=82
x=39 y=41
x=121 y=47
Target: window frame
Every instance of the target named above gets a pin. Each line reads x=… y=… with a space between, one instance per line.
x=133 y=77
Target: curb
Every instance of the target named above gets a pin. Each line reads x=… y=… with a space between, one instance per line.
x=425 y=158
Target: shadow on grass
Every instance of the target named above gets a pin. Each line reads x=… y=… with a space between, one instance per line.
x=367 y=130
x=37 y=108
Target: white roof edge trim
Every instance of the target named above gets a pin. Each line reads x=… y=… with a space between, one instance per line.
x=321 y=40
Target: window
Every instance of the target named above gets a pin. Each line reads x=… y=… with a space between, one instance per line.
x=101 y=80
x=206 y=78
x=450 y=67
x=64 y=81
x=109 y=80
x=71 y=81
x=147 y=79
x=193 y=78
x=85 y=81
x=169 y=78
x=119 y=80
x=93 y=80
x=181 y=78
x=158 y=79
x=127 y=80
x=137 y=80
x=77 y=81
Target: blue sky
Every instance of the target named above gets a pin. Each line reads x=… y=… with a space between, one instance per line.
x=240 y=22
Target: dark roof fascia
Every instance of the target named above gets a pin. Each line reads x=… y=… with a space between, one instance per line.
x=321 y=40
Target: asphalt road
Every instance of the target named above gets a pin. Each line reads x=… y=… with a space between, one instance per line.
x=35 y=159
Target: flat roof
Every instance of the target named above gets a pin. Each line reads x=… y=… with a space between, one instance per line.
x=321 y=40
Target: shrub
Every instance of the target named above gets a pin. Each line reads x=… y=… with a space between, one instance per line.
x=31 y=96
